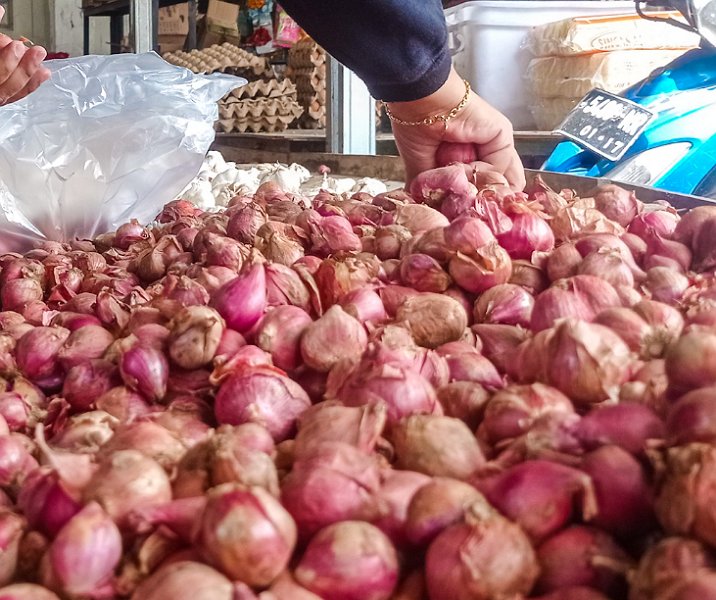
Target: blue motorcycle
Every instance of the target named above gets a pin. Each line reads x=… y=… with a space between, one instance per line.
x=660 y=132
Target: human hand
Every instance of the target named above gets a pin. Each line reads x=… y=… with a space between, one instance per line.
x=478 y=123
x=21 y=69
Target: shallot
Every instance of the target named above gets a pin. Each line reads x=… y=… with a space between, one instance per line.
x=484 y=557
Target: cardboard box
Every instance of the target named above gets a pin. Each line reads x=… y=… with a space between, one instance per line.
x=171 y=43
x=206 y=38
x=174 y=20
x=222 y=17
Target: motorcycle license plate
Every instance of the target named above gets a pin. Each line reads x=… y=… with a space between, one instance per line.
x=605 y=124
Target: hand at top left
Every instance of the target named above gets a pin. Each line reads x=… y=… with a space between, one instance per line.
x=21 y=69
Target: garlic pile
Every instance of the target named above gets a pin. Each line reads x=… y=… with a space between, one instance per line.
x=218 y=181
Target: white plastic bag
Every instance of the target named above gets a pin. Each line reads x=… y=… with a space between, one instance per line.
x=106 y=139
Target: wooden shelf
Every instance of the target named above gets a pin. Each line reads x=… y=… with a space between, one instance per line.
x=533 y=146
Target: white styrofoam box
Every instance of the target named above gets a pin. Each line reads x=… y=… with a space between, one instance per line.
x=487 y=37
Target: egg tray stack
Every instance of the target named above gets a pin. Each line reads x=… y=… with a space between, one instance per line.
x=265 y=104
x=260 y=106
x=307 y=68
x=224 y=58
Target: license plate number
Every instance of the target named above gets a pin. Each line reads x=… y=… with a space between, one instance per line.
x=606 y=124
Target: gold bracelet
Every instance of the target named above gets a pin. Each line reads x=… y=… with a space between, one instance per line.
x=435 y=118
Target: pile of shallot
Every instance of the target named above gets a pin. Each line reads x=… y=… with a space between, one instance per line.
x=457 y=393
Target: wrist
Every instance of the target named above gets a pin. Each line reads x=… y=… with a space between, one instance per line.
x=441 y=101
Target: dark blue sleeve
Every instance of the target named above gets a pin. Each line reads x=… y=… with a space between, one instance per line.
x=398 y=47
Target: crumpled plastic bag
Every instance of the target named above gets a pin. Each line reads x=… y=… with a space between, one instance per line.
x=105 y=140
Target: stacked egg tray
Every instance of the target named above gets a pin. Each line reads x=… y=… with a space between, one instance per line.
x=264 y=104
x=307 y=68
x=259 y=106
x=224 y=58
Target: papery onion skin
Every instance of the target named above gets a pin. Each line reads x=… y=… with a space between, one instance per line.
x=628 y=425
x=246 y=533
x=482 y=268
x=185 y=579
x=666 y=284
x=556 y=303
x=465 y=234
x=279 y=333
x=511 y=411
x=423 y=273
x=47 y=501
x=464 y=400
x=26 y=591
x=665 y=562
x=609 y=265
x=692 y=418
x=36 y=352
x=151 y=439
x=145 y=370
x=531 y=277
x=419 y=442
x=657 y=222
x=261 y=395
x=616 y=203
x=90 y=341
x=86 y=382
x=541 y=496
x=696 y=230
x=403 y=391
x=122 y=403
x=636 y=332
x=437 y=505
x=127 y=479
x=334 y=337
x=82 y=557
x=500 y=342
x=242 y=301
x=582 y=555
x=433 y=186
x=599 y=361
x=12 y=529
x=529 y=233
x=397 y=489
x=360 y=426
x=691 y=361
x=483 y=558
x=624 y=498
x=506 y=303
x=286 y=588
x=433 y=319
x=563 y=261
x=16 y=461
x=332 y=482
x=195 y=335
x=474 y=367
x=241 y=454
x=684 y=505
x=693 y=587
x=351 y=560
x=365 y=305
x=637 y=246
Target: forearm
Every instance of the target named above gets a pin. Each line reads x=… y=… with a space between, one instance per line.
x=398 y=47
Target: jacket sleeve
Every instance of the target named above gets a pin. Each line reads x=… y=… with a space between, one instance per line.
x=397 y=47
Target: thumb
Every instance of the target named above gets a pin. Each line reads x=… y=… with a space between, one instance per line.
x=416 y=150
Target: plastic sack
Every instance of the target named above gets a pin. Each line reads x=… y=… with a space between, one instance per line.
x=106 y=139
x=574 y=76
x=587 y=35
